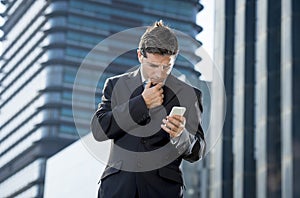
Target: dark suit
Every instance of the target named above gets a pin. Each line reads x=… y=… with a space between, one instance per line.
x=142 y=159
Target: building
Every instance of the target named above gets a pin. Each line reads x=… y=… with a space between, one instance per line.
x=256 y=50
x=83 y=173
x=44 y=43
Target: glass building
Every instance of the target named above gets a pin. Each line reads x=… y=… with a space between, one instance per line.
x=44 y=42
x=256 y=49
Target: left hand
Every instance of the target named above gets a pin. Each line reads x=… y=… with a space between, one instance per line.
x=174 y=125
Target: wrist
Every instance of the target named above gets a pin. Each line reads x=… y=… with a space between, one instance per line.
x=146 y=101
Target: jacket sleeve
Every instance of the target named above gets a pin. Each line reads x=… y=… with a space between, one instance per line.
x=112 y=122
x=191 y=143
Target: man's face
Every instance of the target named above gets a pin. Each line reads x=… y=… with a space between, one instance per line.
x=156 y=67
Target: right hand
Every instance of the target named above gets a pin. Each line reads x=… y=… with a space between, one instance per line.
x=153 y=96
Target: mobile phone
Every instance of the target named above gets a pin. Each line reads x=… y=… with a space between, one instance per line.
x=177 y=111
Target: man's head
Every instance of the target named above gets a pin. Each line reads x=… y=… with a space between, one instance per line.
x=157 y=52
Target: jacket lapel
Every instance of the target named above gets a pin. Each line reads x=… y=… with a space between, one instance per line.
x=133 y=82
x=171 y=89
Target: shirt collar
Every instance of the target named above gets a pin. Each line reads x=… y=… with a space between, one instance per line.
x=142 y=76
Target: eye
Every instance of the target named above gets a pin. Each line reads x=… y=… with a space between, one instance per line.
x=154 y=66
x=166 y=67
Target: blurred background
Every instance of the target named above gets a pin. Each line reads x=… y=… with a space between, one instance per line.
x=253 y=50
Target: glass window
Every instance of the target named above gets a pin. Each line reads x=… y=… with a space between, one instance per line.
x=84 y=114
x=67 y=129
x=22 y=59
x=31 y=192
x=22 y=178
x=72 y=130
x=15 y=6
x=100 y=10
x=15 y=104
x=20 y=147
x=86 y=77
x=175 y=8
x=67 y=96
x=23 y=22
x=77 y=53
x=83 y=37
x=23 y=73
x=21 y=129
x=83 y=22
x=33 y=28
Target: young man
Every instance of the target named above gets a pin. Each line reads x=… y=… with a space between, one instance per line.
x=148 y=145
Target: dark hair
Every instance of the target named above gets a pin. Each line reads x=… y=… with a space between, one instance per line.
x=158 y=39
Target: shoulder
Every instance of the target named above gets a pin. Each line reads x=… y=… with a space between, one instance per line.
x=120 y=76
x=189 y=90
x=186 y=85
x=123 y=76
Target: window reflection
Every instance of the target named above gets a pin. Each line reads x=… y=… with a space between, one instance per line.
x=23 y=22
x=22 y=178
x=20 y=147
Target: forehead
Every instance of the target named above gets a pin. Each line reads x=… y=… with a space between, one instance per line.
x=160 y=59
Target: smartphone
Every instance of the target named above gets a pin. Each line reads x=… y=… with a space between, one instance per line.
x=177 y=111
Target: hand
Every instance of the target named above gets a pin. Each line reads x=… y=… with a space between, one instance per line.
x=153 y=96
x=174 y=125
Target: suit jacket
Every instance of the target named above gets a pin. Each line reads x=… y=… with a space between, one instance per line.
x=143 y=157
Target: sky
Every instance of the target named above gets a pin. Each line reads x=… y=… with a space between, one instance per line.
x=205 y=19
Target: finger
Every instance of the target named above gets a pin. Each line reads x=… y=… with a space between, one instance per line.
x=170 y=125
x=158 y=86
x=174 y=132
x=181 y=128
x=169 y=131
x=179 y=118
x=174 y=121
x=148 y=85
x=165 y=128
x=160 y=98
x=158 y=93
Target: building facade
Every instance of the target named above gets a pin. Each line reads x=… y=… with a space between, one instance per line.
x=256 y=50
x=44 y=43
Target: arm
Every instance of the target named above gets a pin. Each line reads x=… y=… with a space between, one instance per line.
x=107 y=120
x=191 y=145
x=190 y=142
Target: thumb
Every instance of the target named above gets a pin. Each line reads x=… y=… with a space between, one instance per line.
x=148 y=85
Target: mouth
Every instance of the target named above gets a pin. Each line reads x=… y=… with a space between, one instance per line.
x=156 y=81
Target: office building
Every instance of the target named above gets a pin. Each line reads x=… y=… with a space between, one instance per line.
x=256 y=50
x=44 y=43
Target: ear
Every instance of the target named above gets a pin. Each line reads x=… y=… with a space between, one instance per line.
x=140 y=56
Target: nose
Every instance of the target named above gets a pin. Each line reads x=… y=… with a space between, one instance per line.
x=159 y=72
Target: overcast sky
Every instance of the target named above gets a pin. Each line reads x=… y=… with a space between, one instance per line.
x=206 y=20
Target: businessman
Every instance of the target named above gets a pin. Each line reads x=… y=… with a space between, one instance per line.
x=148 y=145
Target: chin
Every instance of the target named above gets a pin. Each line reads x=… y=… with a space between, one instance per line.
x=157 y=81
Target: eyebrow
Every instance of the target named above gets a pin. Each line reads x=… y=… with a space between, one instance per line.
x=152 y=64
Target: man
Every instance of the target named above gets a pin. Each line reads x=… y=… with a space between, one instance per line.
x=147 y=144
